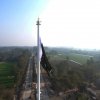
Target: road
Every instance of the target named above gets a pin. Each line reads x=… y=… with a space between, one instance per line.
x=44 y=91
x=27 y=86
x=75 y=62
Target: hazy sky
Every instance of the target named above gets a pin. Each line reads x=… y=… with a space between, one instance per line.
x=69 y=23
x=18 y=20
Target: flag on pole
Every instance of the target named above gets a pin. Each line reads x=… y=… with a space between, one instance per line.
x=38 y=61
x=44 y=60
x=40 y=50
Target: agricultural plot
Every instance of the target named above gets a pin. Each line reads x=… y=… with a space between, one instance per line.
x=6 y=74
x=80 y=58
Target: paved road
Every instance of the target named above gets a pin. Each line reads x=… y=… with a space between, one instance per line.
x=44 y=91
x=27 y=86
x=75 y=62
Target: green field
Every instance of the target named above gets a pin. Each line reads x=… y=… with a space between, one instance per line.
x=80 y=58
x=6 y=74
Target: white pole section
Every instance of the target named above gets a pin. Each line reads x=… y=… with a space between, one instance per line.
x=38 y=61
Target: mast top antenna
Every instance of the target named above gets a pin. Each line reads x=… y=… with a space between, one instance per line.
x=38 y=22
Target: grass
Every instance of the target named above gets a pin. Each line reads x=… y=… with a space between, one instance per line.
x=80 y=58
x=6 y=74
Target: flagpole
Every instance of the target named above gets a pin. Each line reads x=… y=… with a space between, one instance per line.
x=38 y=61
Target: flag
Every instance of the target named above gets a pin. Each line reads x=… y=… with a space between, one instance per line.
x=40 y=50
x=44 y=61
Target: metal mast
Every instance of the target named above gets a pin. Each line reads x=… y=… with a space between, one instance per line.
x=38 y=60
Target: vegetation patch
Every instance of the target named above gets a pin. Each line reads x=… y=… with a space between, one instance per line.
x=7 y=74
x=79 y=57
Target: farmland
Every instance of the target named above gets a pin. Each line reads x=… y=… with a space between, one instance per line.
x=80 y=58
x=13 y=64
x=6 y=74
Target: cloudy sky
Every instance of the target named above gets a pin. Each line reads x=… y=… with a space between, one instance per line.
x=64 y=23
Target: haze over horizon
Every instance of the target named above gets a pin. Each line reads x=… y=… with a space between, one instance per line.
x=64 y=23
